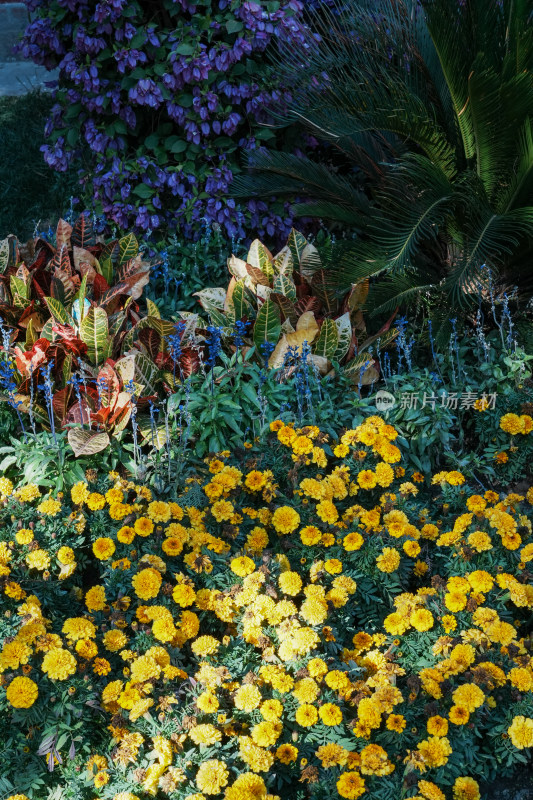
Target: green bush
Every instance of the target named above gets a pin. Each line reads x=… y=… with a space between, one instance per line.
x=30 y=192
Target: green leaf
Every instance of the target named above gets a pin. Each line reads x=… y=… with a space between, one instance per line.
x=87 y=443
x=261 y=258
x=153 y=310
x=241 y=304
x=128 y=248
x=59 y=312
x=344 y=334
x=296 y=245
x=94 y=331
x=106 y=267
x=81 y=294
x=267 y=326
x=4 y=254
x=285 y=286
x=144 y=191
x=185 y=49
x=234 y=26
x=328 y=339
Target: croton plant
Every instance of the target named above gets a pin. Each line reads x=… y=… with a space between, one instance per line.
x=73 y=327
x=287 y=300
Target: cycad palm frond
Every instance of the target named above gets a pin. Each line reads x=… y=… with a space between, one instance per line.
x=431 y=101
x=285 y=173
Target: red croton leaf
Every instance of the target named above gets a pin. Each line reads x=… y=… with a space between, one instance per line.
x=69 y=339
x=189 y=362
x=31 y=359
x=108 y=387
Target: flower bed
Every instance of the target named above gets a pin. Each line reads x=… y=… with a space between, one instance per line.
x=311 y=622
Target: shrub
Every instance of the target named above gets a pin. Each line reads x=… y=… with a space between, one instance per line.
x=285 y=303
x=162 y=96
x=30 y=194
x=304 y=622
x=70 y=325
x=429 y=106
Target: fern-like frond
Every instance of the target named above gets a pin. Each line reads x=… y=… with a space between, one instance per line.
x=489 y=241
x=287 y=174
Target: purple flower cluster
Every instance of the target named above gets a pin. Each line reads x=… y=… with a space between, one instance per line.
x=162 y=104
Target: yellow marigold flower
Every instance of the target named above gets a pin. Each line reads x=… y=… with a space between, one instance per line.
x=396 y=722
x=103 y=548
x=147 y=583
x=351 y=785
x=466 y=789
x=38 y=559
x=126 y=534
x=101 y=666
x=212 y=776
x=205 y=646
x=469 y=696
x=352 y=541
x=459 y=715
x=430 y=791
x=332 y=755
x=511 y=423
x=374 y=761
x=286 y=434
x=306 y=715
x=59 y=664
x=159 y=511
x=287 y=753
x=437 y=726
x=422 y=619
x=290 y=583
x=301 y=445
x=6 y=487
x=22 y=692
x=266 y=733
x=222 y=510
x=28 y=493
x=247 y=697
x=76 y=628
x=411 y=548
x=435 y=751
x=65 y=555
x=333 y=566
x=247 y=785
x=330 y=714
x=86 y=648
x=521 y=678
x=95 y=598
x=257 y=540
x=205 y=734
x=79 y=493
x=114 y=640
x=367 y=479
x=521 y=732
x=143 y=526
x=207 y=702
x=49 y=507
x=95 y=501
x=271 y=710
x=389 y=560
x=310 y=535
x=479 y=541
x=455 y=601
x=255 y=480
x=24 y=536
x=285 y=519
x=184 y=595
x=242 y=566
